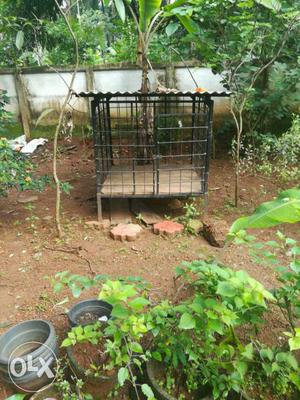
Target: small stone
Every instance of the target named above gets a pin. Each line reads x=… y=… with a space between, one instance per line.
x=128 y=232
x=215 y=231
x=94 y=224
x=25 y=198
x=104 y=224
x=195 y=225
x=169 y=228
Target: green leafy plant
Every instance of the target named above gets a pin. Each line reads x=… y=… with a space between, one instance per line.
x=189 y=218
x=125 y=331
x=243 y=295
x=16 y=171
x=5 y=116
x=83 y=334
x=283 y=254
x=272 y=155
x=275 y=370
x=197 y=336
x=70 y=389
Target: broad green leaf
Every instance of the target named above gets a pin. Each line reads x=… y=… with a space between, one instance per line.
x=147 y=10
x=18 y=396
x=267 y=353
x=241 y=367
x=294 y=343
x=123 y=375
x=121 y=9
x=67 y=342
x=190 y=25
x=187 y=321
x=146 y=389
x=271 y=4
x=295 y=378
x=136 y=348
x=20 y=40
x=157 y=356
x=226 y=289
x=171 y=28
x=138 y=303
x=248 y=352
x=119 y=312
x=58 y=286
x=284 y=209
x=76 y=290
x=177 y=3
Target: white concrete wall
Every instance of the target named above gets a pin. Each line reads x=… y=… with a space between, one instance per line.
x=206 y=80
x=7 y=82
x=47 y=89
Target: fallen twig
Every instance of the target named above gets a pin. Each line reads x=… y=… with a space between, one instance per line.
x=76 y=252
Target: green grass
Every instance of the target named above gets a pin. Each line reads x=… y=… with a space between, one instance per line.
x=14 y=130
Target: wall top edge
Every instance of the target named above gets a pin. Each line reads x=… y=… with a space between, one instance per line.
x=101 y=67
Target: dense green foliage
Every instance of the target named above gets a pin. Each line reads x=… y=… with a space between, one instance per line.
x=16 y=171
x=39 y=38
x=282 y=254
x=5 y=116
x=271 y=155
x=15 y=168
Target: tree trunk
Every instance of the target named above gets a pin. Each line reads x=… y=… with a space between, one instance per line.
x=237 y=168
x=140 y=50
x=146 y=125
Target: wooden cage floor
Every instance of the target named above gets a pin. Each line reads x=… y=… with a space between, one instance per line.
x=173 y=179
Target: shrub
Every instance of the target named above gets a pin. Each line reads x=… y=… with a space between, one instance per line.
x=275 y=156
x=5 y=116
x=16 y=171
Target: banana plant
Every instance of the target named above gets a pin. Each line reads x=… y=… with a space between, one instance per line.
x=151 y=15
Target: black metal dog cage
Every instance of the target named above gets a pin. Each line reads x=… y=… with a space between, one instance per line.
x=151 y=145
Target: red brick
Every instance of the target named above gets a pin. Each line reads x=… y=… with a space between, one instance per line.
x=169 y=228
x=127 y=232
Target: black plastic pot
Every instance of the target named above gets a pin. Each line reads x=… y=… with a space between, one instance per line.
x=159 y=393
x=30 y=340
x=80 y=372
x=148 y=377
x=93 y=307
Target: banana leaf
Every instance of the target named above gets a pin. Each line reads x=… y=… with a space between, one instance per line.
x=147 y=10
x=284 y=209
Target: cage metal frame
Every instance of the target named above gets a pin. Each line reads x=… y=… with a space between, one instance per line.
x=102 y=107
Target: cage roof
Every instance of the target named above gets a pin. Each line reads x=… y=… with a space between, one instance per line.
x=170 y=92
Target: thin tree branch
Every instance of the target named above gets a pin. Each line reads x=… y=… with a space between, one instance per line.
x=60 y=123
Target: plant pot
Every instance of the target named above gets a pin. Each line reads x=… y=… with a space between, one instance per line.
x=87 y=312
x=48 y=392
x=31 y=342
x=159 y=393
x=81 y=372
x=148 y=377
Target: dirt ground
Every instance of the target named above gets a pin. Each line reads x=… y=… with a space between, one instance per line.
x=28 y=241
